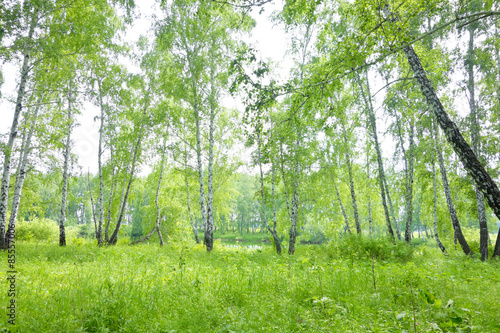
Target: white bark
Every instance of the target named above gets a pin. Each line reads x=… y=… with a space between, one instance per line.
x=100 y=197
x=64 y=202
x=21 y=172
x=4 y=189
x=209 y=237
x=475 y=139
x=351 y=183
x=114 y=237
x=373 y=127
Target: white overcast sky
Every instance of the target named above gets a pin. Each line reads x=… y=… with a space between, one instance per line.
x=269 y=40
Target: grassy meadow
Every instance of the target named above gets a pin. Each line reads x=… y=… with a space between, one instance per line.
x=348 y=286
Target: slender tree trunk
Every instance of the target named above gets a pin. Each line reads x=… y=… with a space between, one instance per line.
x=481 y=212
x=147 y=237
x=4 y=189
x=436 y=236
x=21 y=175
x=453 y=214
x=277 y=243
x=200 y=171
x=157 y=224
x=409 y=189
x=100 y=197
x=342 y=209
x=114 y=237
x=351 y=184
x=263 y=205
x=370 y=226
x=62 y=218
x=373 y=126
x=295 y=200
x=191 y=222
x=285 y=187
x=209 y=232
x=92 y=205
x=397 y=230
x=111 y=194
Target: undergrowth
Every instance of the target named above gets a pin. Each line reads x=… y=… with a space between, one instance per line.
x=181 y=288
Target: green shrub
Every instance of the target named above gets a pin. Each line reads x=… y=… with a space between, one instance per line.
x=38 y=229
x=85 y=230
x=361 y=247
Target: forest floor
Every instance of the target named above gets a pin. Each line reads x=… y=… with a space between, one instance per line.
x=181 y=288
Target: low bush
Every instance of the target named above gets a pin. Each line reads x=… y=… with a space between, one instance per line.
x=38 y=229
x=361 y=247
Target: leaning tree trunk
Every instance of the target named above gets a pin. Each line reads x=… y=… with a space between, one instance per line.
x=21 y=175
x=474 y=168
x=342 y=209
x=397 y=230
x=351 y=184
x=64 y=201
x=4 y=189
x=114 y=237
x=263 y=204
x=481 y=212
x=453 y=214
x=436 y=236
x=373 y=127
x=147 y=237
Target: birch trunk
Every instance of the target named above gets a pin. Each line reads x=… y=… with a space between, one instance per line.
x=295 y=201
x=100 y=197
x=471 y=164
x=436 y=236
x=285 y=187
x=351 y=185
x=209 y=229
x=92 y=205
x=64 y=202
x=370 y=223
x=4 y=189
x=200 y=169
x=277 y=243
x=21 y=175
x=263 y=205
x=111 y=194
x=409 y=188
x=373 y=127
x=114 y=237
x=147 y=237
x=397 y=229
x=481 y=212
x=193 y=226
x=162 y=164
x=342 y=209
x=453 y=214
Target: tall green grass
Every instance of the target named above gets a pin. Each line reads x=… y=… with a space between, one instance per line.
x=181 y=288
